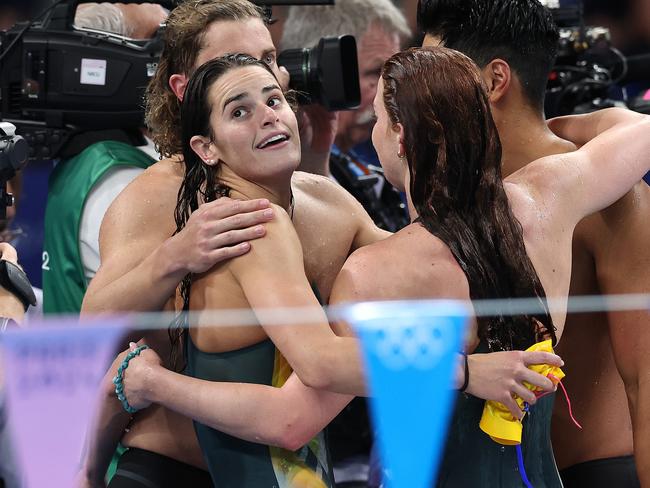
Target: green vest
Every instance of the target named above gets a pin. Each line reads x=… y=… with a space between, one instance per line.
x=64 y=282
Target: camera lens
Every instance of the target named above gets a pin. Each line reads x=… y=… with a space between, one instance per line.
x=327 y=74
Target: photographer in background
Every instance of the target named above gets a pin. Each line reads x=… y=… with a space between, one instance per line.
x=380 y=30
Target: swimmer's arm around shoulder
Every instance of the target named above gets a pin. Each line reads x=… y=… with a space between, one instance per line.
x=580 y=129
x=493 y=376
x=367 y=231
x=272 y=276
x=606 y=167
x=142 y=263
x=286 y=417
x=351 y=213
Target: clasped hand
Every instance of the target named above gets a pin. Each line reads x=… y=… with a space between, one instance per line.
x=500 y=376
x=137 y=380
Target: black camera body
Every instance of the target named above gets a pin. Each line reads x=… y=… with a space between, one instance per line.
x=588 y=68
x=327 y=74
x=65 y=87
x=58 y=81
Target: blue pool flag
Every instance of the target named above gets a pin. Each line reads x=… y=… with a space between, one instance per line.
x=411 y=352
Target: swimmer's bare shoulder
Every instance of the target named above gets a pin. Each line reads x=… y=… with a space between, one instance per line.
x=272 y=273
x=527 y=209
x=411 y=264
x=340 y=203
x=279 y=250
x=142 y=215
x=317 y=186
x=135 y=227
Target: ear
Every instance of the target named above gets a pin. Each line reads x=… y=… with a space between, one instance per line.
x=205 y=149
x=498 y=78
x=398 y=132
x=399 y=128
x=178 y=83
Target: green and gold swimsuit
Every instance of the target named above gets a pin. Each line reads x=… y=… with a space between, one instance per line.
x=235 y=463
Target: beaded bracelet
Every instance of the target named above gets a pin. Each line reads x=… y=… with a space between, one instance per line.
x=119 y=377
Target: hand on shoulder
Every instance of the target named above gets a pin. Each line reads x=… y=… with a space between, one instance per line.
x=221 y=230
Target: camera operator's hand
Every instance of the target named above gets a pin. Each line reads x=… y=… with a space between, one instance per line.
x=143 y=19
x=10 y=306
x=138 y=20
x=317 y=132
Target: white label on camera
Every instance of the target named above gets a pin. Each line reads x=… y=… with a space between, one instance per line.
x=93 y=71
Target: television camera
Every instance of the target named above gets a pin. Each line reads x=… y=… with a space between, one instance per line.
x=590 y=73
x=65 y=87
